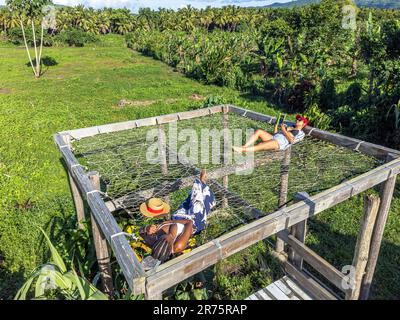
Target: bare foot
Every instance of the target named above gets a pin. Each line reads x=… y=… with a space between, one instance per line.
x=239 y=149
x=203 y=176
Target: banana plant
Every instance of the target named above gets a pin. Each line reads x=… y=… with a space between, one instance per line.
x=54 y=280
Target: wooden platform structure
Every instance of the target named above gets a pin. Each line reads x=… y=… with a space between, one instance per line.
x=283 y=289
x=289 y=223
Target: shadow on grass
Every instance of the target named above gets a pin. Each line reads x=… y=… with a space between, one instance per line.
x=338 y=249
x=10 y=282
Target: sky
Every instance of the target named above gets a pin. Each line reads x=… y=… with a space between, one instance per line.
x=134 y=5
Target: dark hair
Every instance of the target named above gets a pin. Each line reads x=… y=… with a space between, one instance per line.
x=150 y=239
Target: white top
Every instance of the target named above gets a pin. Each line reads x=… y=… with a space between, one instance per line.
x=180 y=227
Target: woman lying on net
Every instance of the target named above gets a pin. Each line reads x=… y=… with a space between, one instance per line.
x=281 y=140
x=173 y=236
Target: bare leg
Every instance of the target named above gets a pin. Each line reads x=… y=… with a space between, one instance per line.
x=203 y=176
x=263 y=146
x=259 y=134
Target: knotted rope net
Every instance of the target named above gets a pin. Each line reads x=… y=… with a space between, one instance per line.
x=128 y=179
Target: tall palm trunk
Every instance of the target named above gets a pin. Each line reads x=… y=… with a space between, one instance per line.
x=37 y=74
x=27 y=48
x=41 y=49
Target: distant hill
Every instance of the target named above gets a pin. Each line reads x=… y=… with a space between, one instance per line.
x=382 y=4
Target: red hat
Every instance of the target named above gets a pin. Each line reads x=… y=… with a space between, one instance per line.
x=304 y=119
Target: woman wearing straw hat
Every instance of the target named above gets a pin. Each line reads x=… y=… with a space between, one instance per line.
x=190 y=218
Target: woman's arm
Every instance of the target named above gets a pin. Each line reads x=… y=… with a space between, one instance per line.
x=182 y=241
x=287 y=134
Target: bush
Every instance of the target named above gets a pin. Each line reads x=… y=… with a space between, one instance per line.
x=327 y=95
x=353 y=95
x=76 y=38
x=15 y=36
x=317 y=118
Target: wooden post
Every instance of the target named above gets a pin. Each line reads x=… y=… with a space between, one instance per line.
x=78 y=200
x=299 y=231
x=163 y=154
x=371 y=206
x=100 y=244
x=162 y=149
x=227 y=150
x=283 y=192
x=386 y=196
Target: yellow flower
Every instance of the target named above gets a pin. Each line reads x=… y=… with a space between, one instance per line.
x=192 y=242
x=129 y=229
x=186 y=251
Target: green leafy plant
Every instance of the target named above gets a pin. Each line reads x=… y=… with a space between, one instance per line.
x=53 y=281
x=396 y=110
x=318 y=118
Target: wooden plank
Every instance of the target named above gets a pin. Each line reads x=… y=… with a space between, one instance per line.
x=361 y=254
x=317 y=262
x=77 y=197
x=296 y=289
x=299 y=231
x=227 y=152
x=276 y=292
x=386 y=196
x=283 y=191
x=308 y=283
x=282 y=286
x=338 y=139
x=264 y=295
x=101 y=248
x=152 y=121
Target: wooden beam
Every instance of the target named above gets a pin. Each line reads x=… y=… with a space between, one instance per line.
x=299 y=231
x=227 y=152
x=386 y=196
x=283 y=192
x=338 y=139
x=78 y=134
x=361 y=254
x=308 y=283
x=100 y=245
x=76 y=195
x=317 y=262
x=130 y=266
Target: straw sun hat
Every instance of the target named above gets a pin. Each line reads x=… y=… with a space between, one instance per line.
x=154 y=208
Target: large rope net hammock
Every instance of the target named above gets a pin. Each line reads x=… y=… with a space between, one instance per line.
x=120 y=158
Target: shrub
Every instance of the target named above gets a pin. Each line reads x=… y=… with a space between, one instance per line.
x=327 y=95
x=15 y=36
x=76 y=38
x=353 y=95
x=317 y=118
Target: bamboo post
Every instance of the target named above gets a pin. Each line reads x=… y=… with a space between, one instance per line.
x=299 y=231
x=283 y=192
x=361 y=254
x=227 y=150
x=78 y=200
x=386 y=195
x=100 y=244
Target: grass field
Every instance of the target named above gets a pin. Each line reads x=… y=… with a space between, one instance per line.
x=82 y=90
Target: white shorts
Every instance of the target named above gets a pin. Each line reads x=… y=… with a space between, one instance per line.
x=282 y=141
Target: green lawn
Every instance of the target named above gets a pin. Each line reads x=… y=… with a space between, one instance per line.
x=83 y=90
